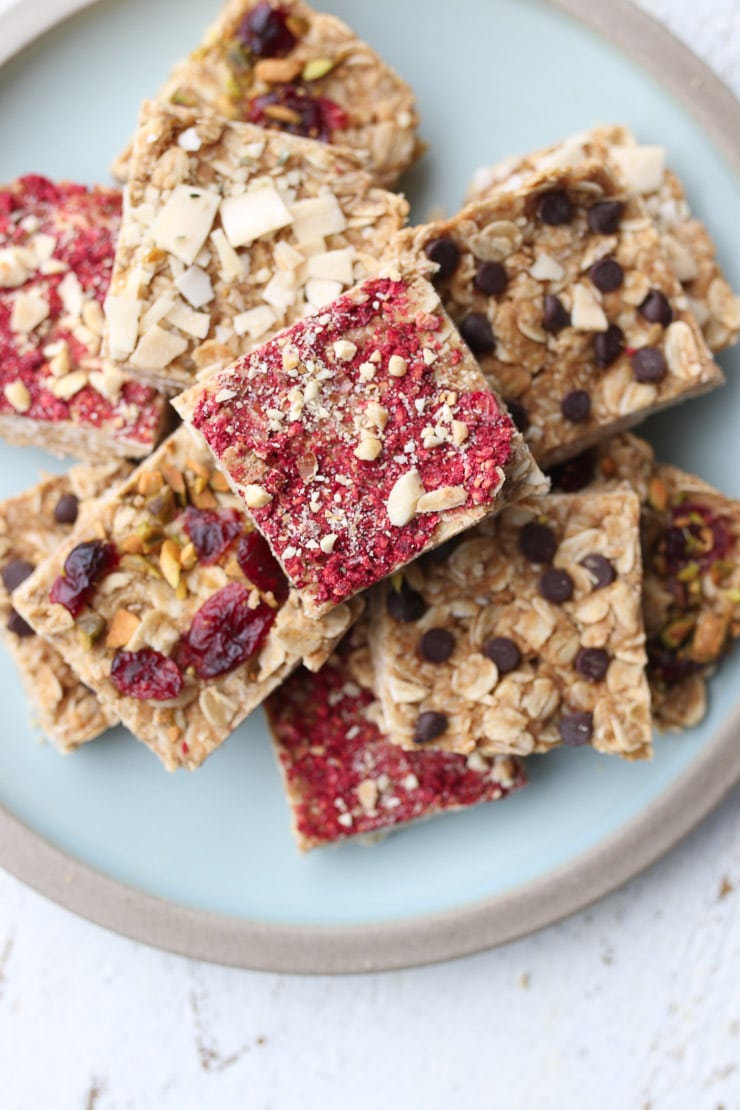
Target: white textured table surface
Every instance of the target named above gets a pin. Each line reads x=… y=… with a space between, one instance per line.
x=633 y=1004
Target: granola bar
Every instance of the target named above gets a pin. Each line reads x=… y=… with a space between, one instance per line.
x=562 y=291
x=32 y=525
x=170 y=607
x=232 y=233
x=290 y=68
x=642 y=170
x=342 y=776
x=361 y=437
x=56 y=257
x=526 y=635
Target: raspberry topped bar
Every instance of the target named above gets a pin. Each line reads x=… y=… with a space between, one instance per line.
x=562 y=292
x=361 y=437
x=525 y=635
x=56 y=257
x=286 y=67
x=342 y=776
x=643 y=172
x=171 y=607
x=230 y=234
x=32 y=525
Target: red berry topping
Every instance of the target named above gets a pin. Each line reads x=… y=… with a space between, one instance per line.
x=312 y=117
x=225 y=632
x=266 y=33
x=146 y=675
x=212 y=533
x=86 y=564
x=260 y=566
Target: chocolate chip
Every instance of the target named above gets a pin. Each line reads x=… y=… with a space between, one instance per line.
x=15 y=572
x=18 y=626
x=445 y=253
x=656 y=308
x=604 y=217
x=556 y=585
x=575 y=474
x=555 y=315
x=442 y=553
x=576 y=406
x=490 y=278
x=66 y=509
x=555 y=208
x=608 y=346
x=649 y=365
x=601 y=570
x=437 y=645
x=429 y=725
x=503 y=652
x=576 y=728
x=406 y=605
x=477 y=333
x=537 y=543
x=606 y=274
x=592 y=663
x=518 y=414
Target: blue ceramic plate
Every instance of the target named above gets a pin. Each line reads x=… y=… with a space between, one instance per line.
x=204 y=863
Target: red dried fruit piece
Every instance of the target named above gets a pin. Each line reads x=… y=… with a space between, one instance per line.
x=313 y=117
x=266 y=33
x=225 y=632
x=146 y=675
x=260 y=566
x=84 y=567
x=212 y=533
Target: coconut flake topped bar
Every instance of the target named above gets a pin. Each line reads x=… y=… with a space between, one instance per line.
x=56 y=257
x=561 y=289
x=642 y=169
x=32 y=525
x=171 y=608
x=231 y=233
x=287 y=67
x=361 y=437
x=342 y=776
x=527 y=634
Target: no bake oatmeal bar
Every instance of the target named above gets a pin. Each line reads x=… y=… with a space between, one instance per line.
x=527 y=634
x=562 y=291
x=56 y=257
x=170 y=606
x=230 y=234
x=289 y=68
x=362 y=437
x=342 y=776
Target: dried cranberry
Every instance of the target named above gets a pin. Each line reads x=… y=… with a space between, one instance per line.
x=670 y=667
x=85 y=565
x=212 y=533
x=266 y=33
x=225 y=632
x=309 y=116
x=146 y=674
x=260 y=566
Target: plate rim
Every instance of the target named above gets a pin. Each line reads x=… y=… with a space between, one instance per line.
x=427 y=938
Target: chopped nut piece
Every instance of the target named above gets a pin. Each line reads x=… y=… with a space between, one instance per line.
x=121 y=628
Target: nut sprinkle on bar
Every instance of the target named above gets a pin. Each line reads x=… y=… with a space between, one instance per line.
x=56 y=258
x=362 y=437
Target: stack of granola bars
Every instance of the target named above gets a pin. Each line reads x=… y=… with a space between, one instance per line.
x=351 y=525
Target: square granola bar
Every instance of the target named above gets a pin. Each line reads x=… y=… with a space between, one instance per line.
x=642 y=170
x=230 y=234
x=526 y=635
x=171 y=608
x=287 y=67
x=342 y=776
x=362 y=437
x=56 y=257
x=561 y=289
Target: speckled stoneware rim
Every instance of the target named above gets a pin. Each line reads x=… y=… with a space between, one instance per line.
x=494 y=921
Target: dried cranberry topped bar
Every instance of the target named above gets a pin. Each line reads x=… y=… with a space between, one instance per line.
x=32 y=525
x=56 y=257
x=342 y=776
x=361 y=437
x=562 y=292
x=527 y=634
x=286 y=67
x=171 y=608
x=230 y=234
x=642 y=170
